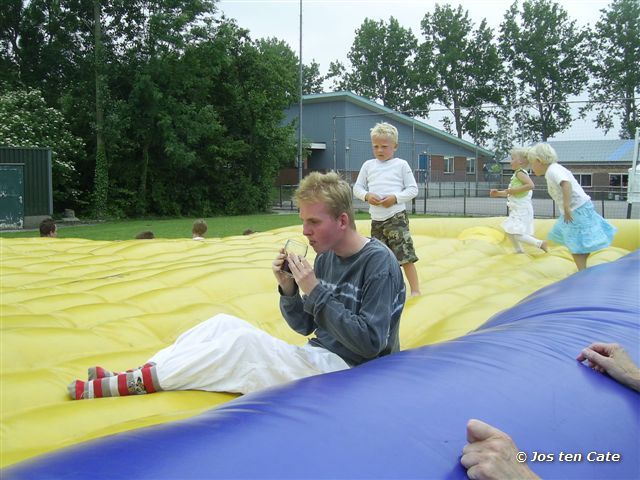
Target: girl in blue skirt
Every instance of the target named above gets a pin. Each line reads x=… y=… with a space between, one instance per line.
x=580 y=228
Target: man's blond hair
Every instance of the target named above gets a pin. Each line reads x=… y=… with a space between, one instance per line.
x=330 y=189
x=386 y=130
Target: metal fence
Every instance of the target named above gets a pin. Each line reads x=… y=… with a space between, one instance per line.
x=458 y=184
x=471 y=199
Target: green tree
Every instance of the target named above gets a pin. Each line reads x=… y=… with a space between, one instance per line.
x=463 y=67
x=192 y=106
x=26 y=121
x=381 y=60
x=154 y=28
x=261 y=84
x=212 y=113
x=101 y=178
x=615 y=50
x=311 y=79
x=10 y=14
x=52 y=46
x=504 y=136
x=546 y=55
x=154 y=37
x=144 y=101
x=336 y=76
x=38 y=44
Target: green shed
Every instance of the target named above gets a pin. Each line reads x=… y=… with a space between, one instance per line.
x=26 y=191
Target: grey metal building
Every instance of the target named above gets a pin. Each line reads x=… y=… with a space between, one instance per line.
x=335 y=128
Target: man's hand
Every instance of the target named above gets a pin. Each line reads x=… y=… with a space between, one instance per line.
x=491 y=454
x=286 y=282
x=303 y=273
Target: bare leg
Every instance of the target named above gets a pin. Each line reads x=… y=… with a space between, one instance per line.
x=412 y=275
x=580 y=259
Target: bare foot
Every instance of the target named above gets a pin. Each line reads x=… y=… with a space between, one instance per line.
x=544 y=246
x=415 y=294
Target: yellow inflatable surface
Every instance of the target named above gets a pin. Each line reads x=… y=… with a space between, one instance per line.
x=67 y=304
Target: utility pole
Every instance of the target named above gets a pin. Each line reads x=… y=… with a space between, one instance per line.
x=300 y=103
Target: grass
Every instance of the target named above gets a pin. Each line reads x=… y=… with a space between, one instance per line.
x=171 y=227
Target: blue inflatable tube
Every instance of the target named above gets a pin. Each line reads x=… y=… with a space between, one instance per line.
x=404 y=416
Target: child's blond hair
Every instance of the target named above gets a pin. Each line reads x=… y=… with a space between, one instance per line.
x=386 y=130
x=543 y=152
x=521 y=153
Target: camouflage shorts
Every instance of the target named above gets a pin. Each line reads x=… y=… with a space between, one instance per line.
x=394 y=233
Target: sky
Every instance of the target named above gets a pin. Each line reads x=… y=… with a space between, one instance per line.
x=328 y=26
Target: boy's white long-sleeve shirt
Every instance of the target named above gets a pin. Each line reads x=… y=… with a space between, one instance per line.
x=391 y=177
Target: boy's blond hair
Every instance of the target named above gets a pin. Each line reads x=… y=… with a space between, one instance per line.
x=521 y=153
x=199 y=228
x=330 y=189
x=386 y=130
x=543 y=152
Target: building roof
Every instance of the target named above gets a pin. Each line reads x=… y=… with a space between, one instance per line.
x=399 y=117
x=592 y=151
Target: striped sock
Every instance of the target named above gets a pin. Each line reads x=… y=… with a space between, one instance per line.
x=137 y=382
x=98 y=372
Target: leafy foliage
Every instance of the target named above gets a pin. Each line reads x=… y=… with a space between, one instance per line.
x=336 y=75
x=615 y=49
x=449 y=63
x=311 y=78
x=546 y=55
x=381 y=58
x=504 y=137
x=192 y=106
x=28 y=122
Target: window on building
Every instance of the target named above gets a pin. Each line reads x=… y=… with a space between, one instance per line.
x=448 y=164
x=471 y=165
x=618 y=179
x=584 y=179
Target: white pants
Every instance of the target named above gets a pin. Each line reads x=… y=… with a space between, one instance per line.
x=227 y=354
x=516 y=239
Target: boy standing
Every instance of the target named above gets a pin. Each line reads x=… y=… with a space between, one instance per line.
x=386 y=183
